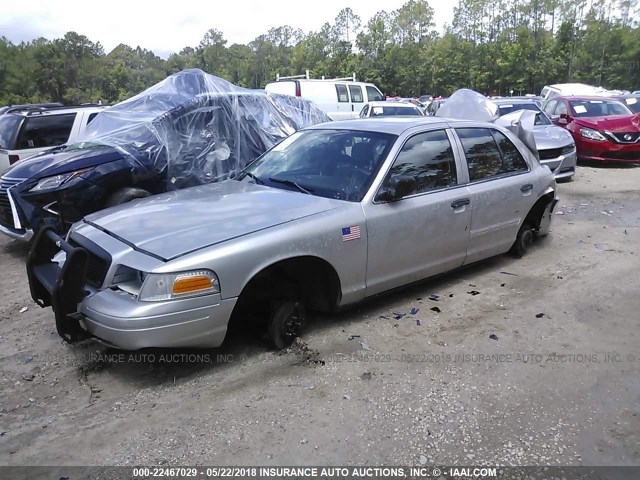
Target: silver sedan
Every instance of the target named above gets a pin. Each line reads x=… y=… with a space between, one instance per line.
x=330 y=216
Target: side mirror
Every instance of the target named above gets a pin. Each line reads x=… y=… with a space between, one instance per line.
x=564 y=118
x=399 y=186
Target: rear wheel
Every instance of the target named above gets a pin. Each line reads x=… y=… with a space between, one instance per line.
x=285 y=323
x=125 y=195
x=524 y=240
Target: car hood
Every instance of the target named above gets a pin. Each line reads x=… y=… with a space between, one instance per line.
x=550 y=137
x=615 y=124
x=56 y=162
x=179 y=222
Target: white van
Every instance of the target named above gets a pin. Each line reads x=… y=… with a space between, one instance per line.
x=569 y=89
x=339 y=98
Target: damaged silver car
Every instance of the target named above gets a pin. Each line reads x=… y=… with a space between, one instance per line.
x=332 y=215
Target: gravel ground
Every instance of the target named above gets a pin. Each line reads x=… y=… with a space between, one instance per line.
x=538 y=368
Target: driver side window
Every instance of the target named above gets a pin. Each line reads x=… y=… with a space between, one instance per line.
x=427 y=157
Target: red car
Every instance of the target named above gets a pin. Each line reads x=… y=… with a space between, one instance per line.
x=603 y=128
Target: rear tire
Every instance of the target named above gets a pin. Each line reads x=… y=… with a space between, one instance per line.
x=524 y=240
x=125 y=195
x=285 y=322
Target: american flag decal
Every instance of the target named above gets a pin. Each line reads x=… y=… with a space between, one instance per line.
x=351 y=233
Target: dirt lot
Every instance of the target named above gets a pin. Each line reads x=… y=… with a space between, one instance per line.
x=540 y=367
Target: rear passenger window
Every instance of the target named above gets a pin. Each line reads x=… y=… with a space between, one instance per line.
x=484 y=158
x=356 y=94
x=91 y=117
x=512 y=160
x=373 y=94
x=45 y=131
x=343 y=95
x=428 y=157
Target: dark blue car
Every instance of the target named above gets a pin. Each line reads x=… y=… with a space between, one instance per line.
x=191 y=128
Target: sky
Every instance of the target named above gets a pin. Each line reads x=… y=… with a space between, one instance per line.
x=168 y=26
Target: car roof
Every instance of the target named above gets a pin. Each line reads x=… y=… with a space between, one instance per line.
x=584 y=98
x=512 y=101
x=382 y=103
x=393 y=125
x=44 y=111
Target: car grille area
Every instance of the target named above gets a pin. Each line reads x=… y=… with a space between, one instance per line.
x=625 y=137
x=555 y=152
x=6 y=217
x=98 y=262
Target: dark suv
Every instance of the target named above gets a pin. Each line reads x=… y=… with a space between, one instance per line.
x=191 y=128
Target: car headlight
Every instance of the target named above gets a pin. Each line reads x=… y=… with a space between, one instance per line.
x=49 y=183
x=169 y=286
x=592 y=134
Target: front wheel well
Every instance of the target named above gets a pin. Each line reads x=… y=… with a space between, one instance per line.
x=310 y=279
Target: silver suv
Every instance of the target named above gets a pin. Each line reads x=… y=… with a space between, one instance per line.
x=27 y=130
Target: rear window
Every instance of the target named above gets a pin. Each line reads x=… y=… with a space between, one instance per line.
x=395 y=111
x=8 y=125
x=45 y=131
x=343 y=95
x=373 y=94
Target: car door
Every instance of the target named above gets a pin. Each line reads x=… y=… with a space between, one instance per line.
x=357 y=99
x=501 y=191
x=426 y=232
x=344 y=107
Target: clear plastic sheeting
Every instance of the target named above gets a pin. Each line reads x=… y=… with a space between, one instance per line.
x=469 y=105
x=465 y=104
x=197 y=128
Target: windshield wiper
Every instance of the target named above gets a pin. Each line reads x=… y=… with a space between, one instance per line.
x=258 y=180
x=290 y=183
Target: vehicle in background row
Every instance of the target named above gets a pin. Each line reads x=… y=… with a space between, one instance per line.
x=555 y=145
x=635 y=92
x=575 y=89
x=26 y=106
x=386 y=109
x=604 y=129
x=631 y=101
x=25 y=131
x=435 y=105
x=191 y=128
x=330 y=216
x=339 y=98
x=425 y=99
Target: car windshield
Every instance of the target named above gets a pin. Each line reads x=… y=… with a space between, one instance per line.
x=338 y=164
x=633 y=104
x=8 y=124
x=599 y=108
x=541 y=118
x=395 y=110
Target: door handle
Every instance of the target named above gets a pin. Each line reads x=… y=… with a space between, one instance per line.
x=460 y=203
x=526 y=188
x=352 y=108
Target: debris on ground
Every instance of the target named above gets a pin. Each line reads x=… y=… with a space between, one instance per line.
x=366 y=376
x=434 y=297
x=351 y=337
x=415 y=310
x=24 y=309
x=474 y=292
x=435 y=309
x=365 y=346
x=493 y=336
x=509 y=273
x=418 y=322
x=28 y=377
x=398 y=316
x=540 y=315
